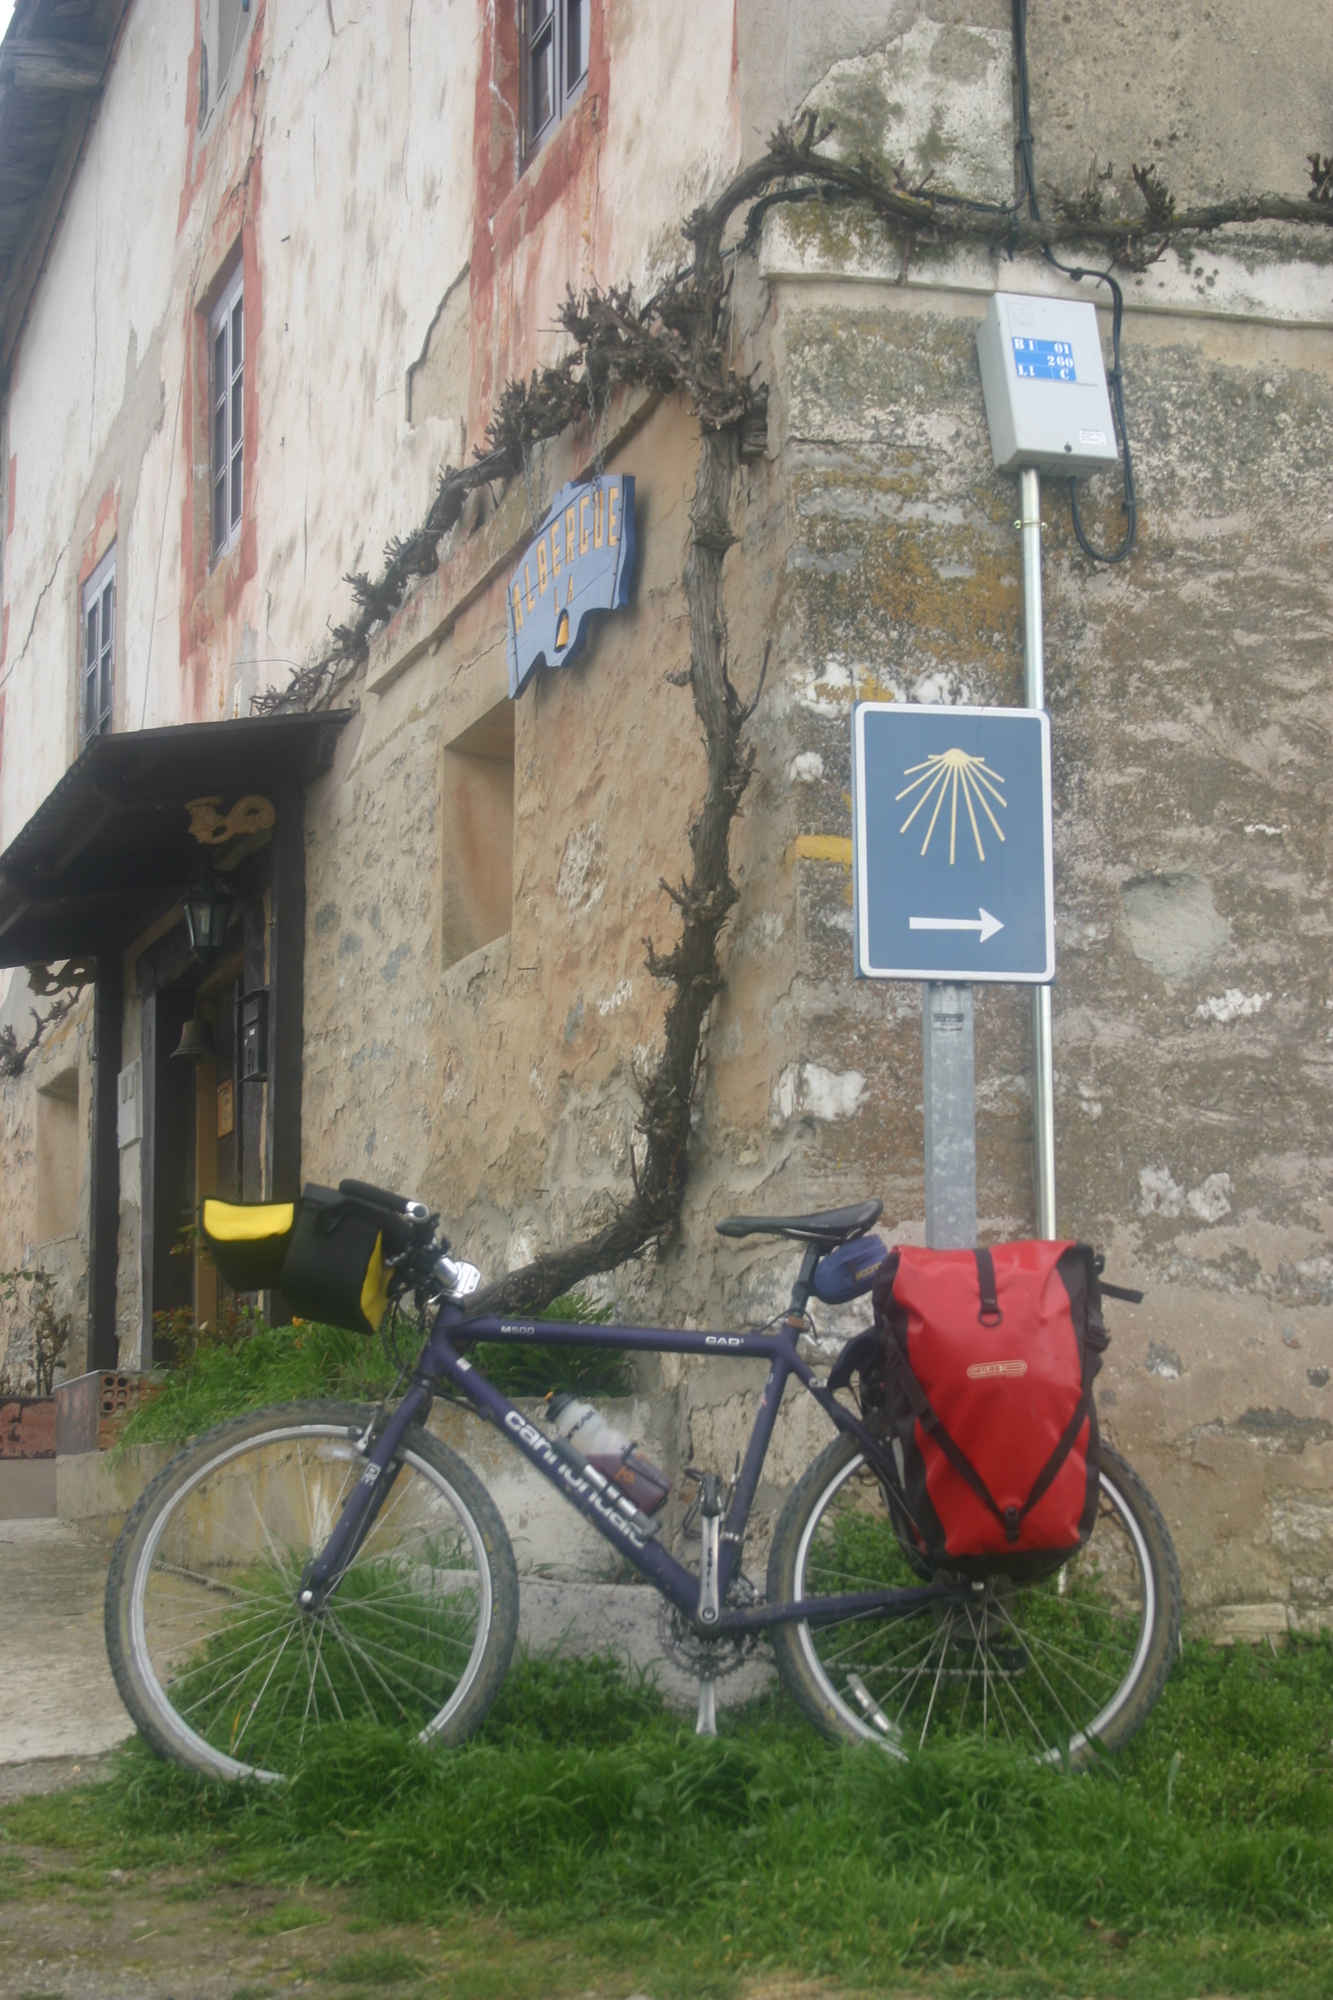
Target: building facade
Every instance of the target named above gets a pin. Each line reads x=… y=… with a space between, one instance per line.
x=269 y=274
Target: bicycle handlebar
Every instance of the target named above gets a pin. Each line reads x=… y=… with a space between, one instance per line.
x=381 y=1197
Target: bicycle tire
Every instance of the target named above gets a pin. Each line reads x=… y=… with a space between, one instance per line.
x=1064 y=1666
x=202 y=1603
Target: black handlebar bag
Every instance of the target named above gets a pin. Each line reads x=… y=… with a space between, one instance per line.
x=990 y=1357
x=326 y=1253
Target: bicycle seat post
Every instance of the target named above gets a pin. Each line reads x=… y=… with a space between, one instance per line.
x=710 y=1522
x=804 y=1285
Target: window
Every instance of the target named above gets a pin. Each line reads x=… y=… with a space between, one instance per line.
x=477 y=823
x=57 y=1156
x=232 y=25
x=99 y=648
x=226 y=343
x=554 y=39
x=224 y=25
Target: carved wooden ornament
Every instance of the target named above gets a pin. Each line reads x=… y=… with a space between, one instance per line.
x=252 y=814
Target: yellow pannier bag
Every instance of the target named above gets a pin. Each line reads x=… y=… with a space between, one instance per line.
x=248 y=1241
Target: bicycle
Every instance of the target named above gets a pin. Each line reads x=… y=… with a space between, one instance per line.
x=316 y=1564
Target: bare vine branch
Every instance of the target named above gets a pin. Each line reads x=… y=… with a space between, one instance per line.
x=661 y=346
x=13 y=1053
x=673 y=344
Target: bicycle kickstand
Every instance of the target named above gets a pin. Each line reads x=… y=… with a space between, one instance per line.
x=710 y=1522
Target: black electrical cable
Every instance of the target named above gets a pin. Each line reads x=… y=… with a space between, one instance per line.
x=1115 y=380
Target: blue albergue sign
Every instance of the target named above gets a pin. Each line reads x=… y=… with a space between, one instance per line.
x=581 y=561
x=951 y=843
x=1043 y=360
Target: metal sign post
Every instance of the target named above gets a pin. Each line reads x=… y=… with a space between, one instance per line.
x=950 y=1105
x=952 y=884
x=1034 y=693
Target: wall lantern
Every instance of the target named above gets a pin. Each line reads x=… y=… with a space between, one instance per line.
x=208 y=910
x=254 y=1036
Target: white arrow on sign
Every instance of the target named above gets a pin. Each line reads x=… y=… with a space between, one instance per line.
x=984 y=922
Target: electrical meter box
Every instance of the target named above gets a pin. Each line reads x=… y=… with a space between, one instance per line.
x=1045 y=385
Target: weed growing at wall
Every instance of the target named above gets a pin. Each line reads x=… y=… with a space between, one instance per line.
x=283 y=1364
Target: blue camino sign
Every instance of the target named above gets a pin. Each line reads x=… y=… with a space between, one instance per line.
x=580 y=562
x=951 y=843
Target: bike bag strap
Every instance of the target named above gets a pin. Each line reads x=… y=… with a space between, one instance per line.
x=1125 y=1292
x=990 y=1314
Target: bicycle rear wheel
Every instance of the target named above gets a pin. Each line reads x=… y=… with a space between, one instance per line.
x=1059 y=1667
x=215 y=1659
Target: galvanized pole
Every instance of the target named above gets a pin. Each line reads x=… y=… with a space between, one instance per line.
x=1034 y=695
x=951 y=1117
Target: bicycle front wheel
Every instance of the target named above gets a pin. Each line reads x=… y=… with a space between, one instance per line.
x=215 y=1659
x=1058 y=1667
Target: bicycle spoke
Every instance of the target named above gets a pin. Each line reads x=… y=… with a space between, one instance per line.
x=372 y=1668
x=216 y=1689
x=310 y=1701
x=235 y=1741
x=333 y=1692
x=930 y=1706
x=351 y=1668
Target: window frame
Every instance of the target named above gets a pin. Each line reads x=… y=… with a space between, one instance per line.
x=216 y=49
x=559 y=23
x=226 y=418
x=97 y=663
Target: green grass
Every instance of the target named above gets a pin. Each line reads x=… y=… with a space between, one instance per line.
x=587 y=1810
x=283 y=1364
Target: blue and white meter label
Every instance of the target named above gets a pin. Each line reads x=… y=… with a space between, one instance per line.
x=951 y=843
x=1043 y=360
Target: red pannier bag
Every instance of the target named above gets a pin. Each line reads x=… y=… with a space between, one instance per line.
x=990 y=1357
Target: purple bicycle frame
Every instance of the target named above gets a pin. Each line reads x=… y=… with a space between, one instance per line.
x=611 y=1513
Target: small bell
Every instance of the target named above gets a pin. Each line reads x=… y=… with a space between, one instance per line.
x=196 y=1043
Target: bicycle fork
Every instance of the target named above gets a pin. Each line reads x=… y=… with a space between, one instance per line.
x=325 y=1571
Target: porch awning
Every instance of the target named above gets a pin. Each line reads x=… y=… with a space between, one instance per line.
x=109 y=849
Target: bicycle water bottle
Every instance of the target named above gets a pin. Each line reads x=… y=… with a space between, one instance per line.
x=615 y=1456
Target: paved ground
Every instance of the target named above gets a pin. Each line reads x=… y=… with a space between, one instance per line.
x=58 y=1703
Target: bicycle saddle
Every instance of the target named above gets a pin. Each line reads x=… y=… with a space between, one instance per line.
x=833 y=1225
